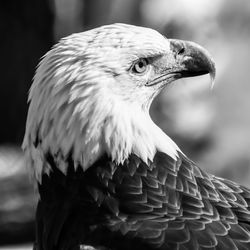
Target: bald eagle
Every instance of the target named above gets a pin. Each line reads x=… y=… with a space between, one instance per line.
x=107 y=175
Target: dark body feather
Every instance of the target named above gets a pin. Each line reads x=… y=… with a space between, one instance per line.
x=166 y=204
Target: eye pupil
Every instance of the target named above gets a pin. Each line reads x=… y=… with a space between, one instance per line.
x=140 y=64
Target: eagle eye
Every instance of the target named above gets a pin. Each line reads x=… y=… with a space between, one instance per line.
x=140 y=66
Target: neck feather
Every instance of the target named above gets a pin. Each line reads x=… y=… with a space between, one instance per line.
x=117 y=130
x=135 y=132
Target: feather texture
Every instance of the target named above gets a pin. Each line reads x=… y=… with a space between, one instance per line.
x=111 y=206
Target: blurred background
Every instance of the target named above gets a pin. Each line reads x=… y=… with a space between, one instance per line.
x=211 y=126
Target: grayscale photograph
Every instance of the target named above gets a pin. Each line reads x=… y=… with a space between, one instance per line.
x=125 y=125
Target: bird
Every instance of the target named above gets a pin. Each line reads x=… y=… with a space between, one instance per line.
x=107 y=176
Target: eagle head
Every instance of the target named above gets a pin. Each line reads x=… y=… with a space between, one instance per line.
x=92 y=92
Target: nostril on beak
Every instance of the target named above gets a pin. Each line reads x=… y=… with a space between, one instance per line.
x=177 y=46
x=181 y=51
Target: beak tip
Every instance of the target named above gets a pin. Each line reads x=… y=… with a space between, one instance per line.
x=212 y=72
x=212 y=78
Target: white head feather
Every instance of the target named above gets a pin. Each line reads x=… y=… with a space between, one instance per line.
x=84 y=101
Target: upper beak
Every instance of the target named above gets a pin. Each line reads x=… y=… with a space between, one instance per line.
x=194 y=60
x=187 y=59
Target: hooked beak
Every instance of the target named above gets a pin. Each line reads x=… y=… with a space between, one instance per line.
x=187 y=59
